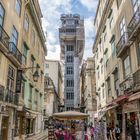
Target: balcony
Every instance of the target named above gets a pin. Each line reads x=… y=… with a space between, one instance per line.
x=126 y=86
x=4 y=40
x=136 y=78
x=134 y=25
x=8 y=96
x=122 y=45
x=14 y=54
x=67 y=33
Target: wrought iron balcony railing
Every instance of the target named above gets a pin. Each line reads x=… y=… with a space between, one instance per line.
x=4 y=38
x=136 y=78
x=15 y=52
x=11 y=97
x=134 y=25
x=126 y=86
x=122 y=45
x=8 y=96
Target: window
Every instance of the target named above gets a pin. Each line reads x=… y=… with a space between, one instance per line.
x=14 y=36
x=26 y=23
x=30 y=93
x=111 y=19
x=18 y=6
x=98 y=74
x=11 y=78
x=33 y=38
x=109 y=86
x=135 y=5
x=105 y=34
x=118 y=3
x=70 y=58
x=25 y=51
x=47 y=65
x=35 y=97
x=116 y=82
x=102 y=69
x=70 y=48
x=2 y=12
x=126 y=66
x=23 y=89
x=69 y=70
x=138 y=53
x=103 y=93
x=113 y=48
x=97 y=54
x=69 y=108
x=32 y=63
x=70 y=83
x=70 y=95
x=122 y=26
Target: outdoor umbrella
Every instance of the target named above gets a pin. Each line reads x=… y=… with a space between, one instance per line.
x=70 y=115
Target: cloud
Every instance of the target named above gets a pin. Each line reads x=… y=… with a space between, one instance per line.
x=89 y=4
x=52 y=10
x=89 y=36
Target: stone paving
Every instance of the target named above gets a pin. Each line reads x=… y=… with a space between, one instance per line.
x=40 y=136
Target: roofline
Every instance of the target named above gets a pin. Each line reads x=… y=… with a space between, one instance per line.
x=97 y=12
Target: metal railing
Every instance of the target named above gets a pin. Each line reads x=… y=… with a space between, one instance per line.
x=8 y=96
x=136 y=78
x=4 y=38
x=134 y=22
x=122 y=43
x=16 y=53
x=127 y=85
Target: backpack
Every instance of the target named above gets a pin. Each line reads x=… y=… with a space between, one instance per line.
x=117 y=130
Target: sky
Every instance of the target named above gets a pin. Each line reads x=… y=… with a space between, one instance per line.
x=52 y=10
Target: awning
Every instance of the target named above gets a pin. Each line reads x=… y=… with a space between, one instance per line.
x=111 y=106
x=134 y=97
x=101 y=113
x=121 y=98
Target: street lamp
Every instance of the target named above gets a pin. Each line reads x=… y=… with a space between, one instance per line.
x=35 y=76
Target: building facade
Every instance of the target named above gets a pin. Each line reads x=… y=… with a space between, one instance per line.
x=21 y=111
x=53 y=69
x=72 y=40
x=88 y=94
x=117 y=34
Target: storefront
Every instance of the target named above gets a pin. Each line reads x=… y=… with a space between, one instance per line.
x=132 y=120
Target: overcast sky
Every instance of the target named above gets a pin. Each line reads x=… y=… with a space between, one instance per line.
x=52 y=9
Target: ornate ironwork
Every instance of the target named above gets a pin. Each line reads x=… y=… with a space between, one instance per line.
x=11 y=97
x=126 y=86
x=134 y=24
x=122 y=44
x=136 y=77
x=4 y=38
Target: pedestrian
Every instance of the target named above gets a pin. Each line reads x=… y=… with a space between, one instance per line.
x=65 y=134
x=92 y=132
x=85 y=136
x=117 y=132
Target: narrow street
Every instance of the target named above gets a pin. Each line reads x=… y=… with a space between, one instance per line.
x=69 y=69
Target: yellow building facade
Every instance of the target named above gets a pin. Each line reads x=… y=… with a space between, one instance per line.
x=22 y=46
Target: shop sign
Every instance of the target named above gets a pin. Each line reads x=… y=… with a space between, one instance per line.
x=131 y=107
